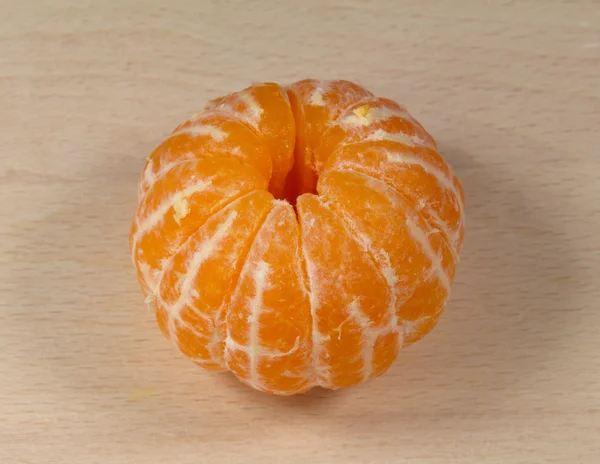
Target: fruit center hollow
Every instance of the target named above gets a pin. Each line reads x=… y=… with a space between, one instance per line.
x=301 y=179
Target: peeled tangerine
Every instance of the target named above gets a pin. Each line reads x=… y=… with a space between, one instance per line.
x=297 y=236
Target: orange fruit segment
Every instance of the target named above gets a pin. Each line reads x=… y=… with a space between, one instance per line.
x=351 y=302
x=268 y=324
x=372 y=119
x=179 y=203
x=202 y=136
x=190 y=305
x=266 y=109
x=297 y=236
x=419 y=174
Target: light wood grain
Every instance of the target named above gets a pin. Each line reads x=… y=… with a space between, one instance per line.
x=510 y=90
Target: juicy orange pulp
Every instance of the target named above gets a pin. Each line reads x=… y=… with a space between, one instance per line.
x=297 y=236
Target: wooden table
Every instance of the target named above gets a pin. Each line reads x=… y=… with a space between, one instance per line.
x=509 y=90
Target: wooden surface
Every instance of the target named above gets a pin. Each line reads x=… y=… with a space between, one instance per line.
x=509 y=90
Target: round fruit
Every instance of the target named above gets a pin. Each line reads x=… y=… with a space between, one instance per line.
x=297 y=236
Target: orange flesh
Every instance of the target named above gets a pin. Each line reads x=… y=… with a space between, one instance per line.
x=298 y=236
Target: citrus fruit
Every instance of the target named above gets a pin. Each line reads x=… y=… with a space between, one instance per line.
x=297 y=236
